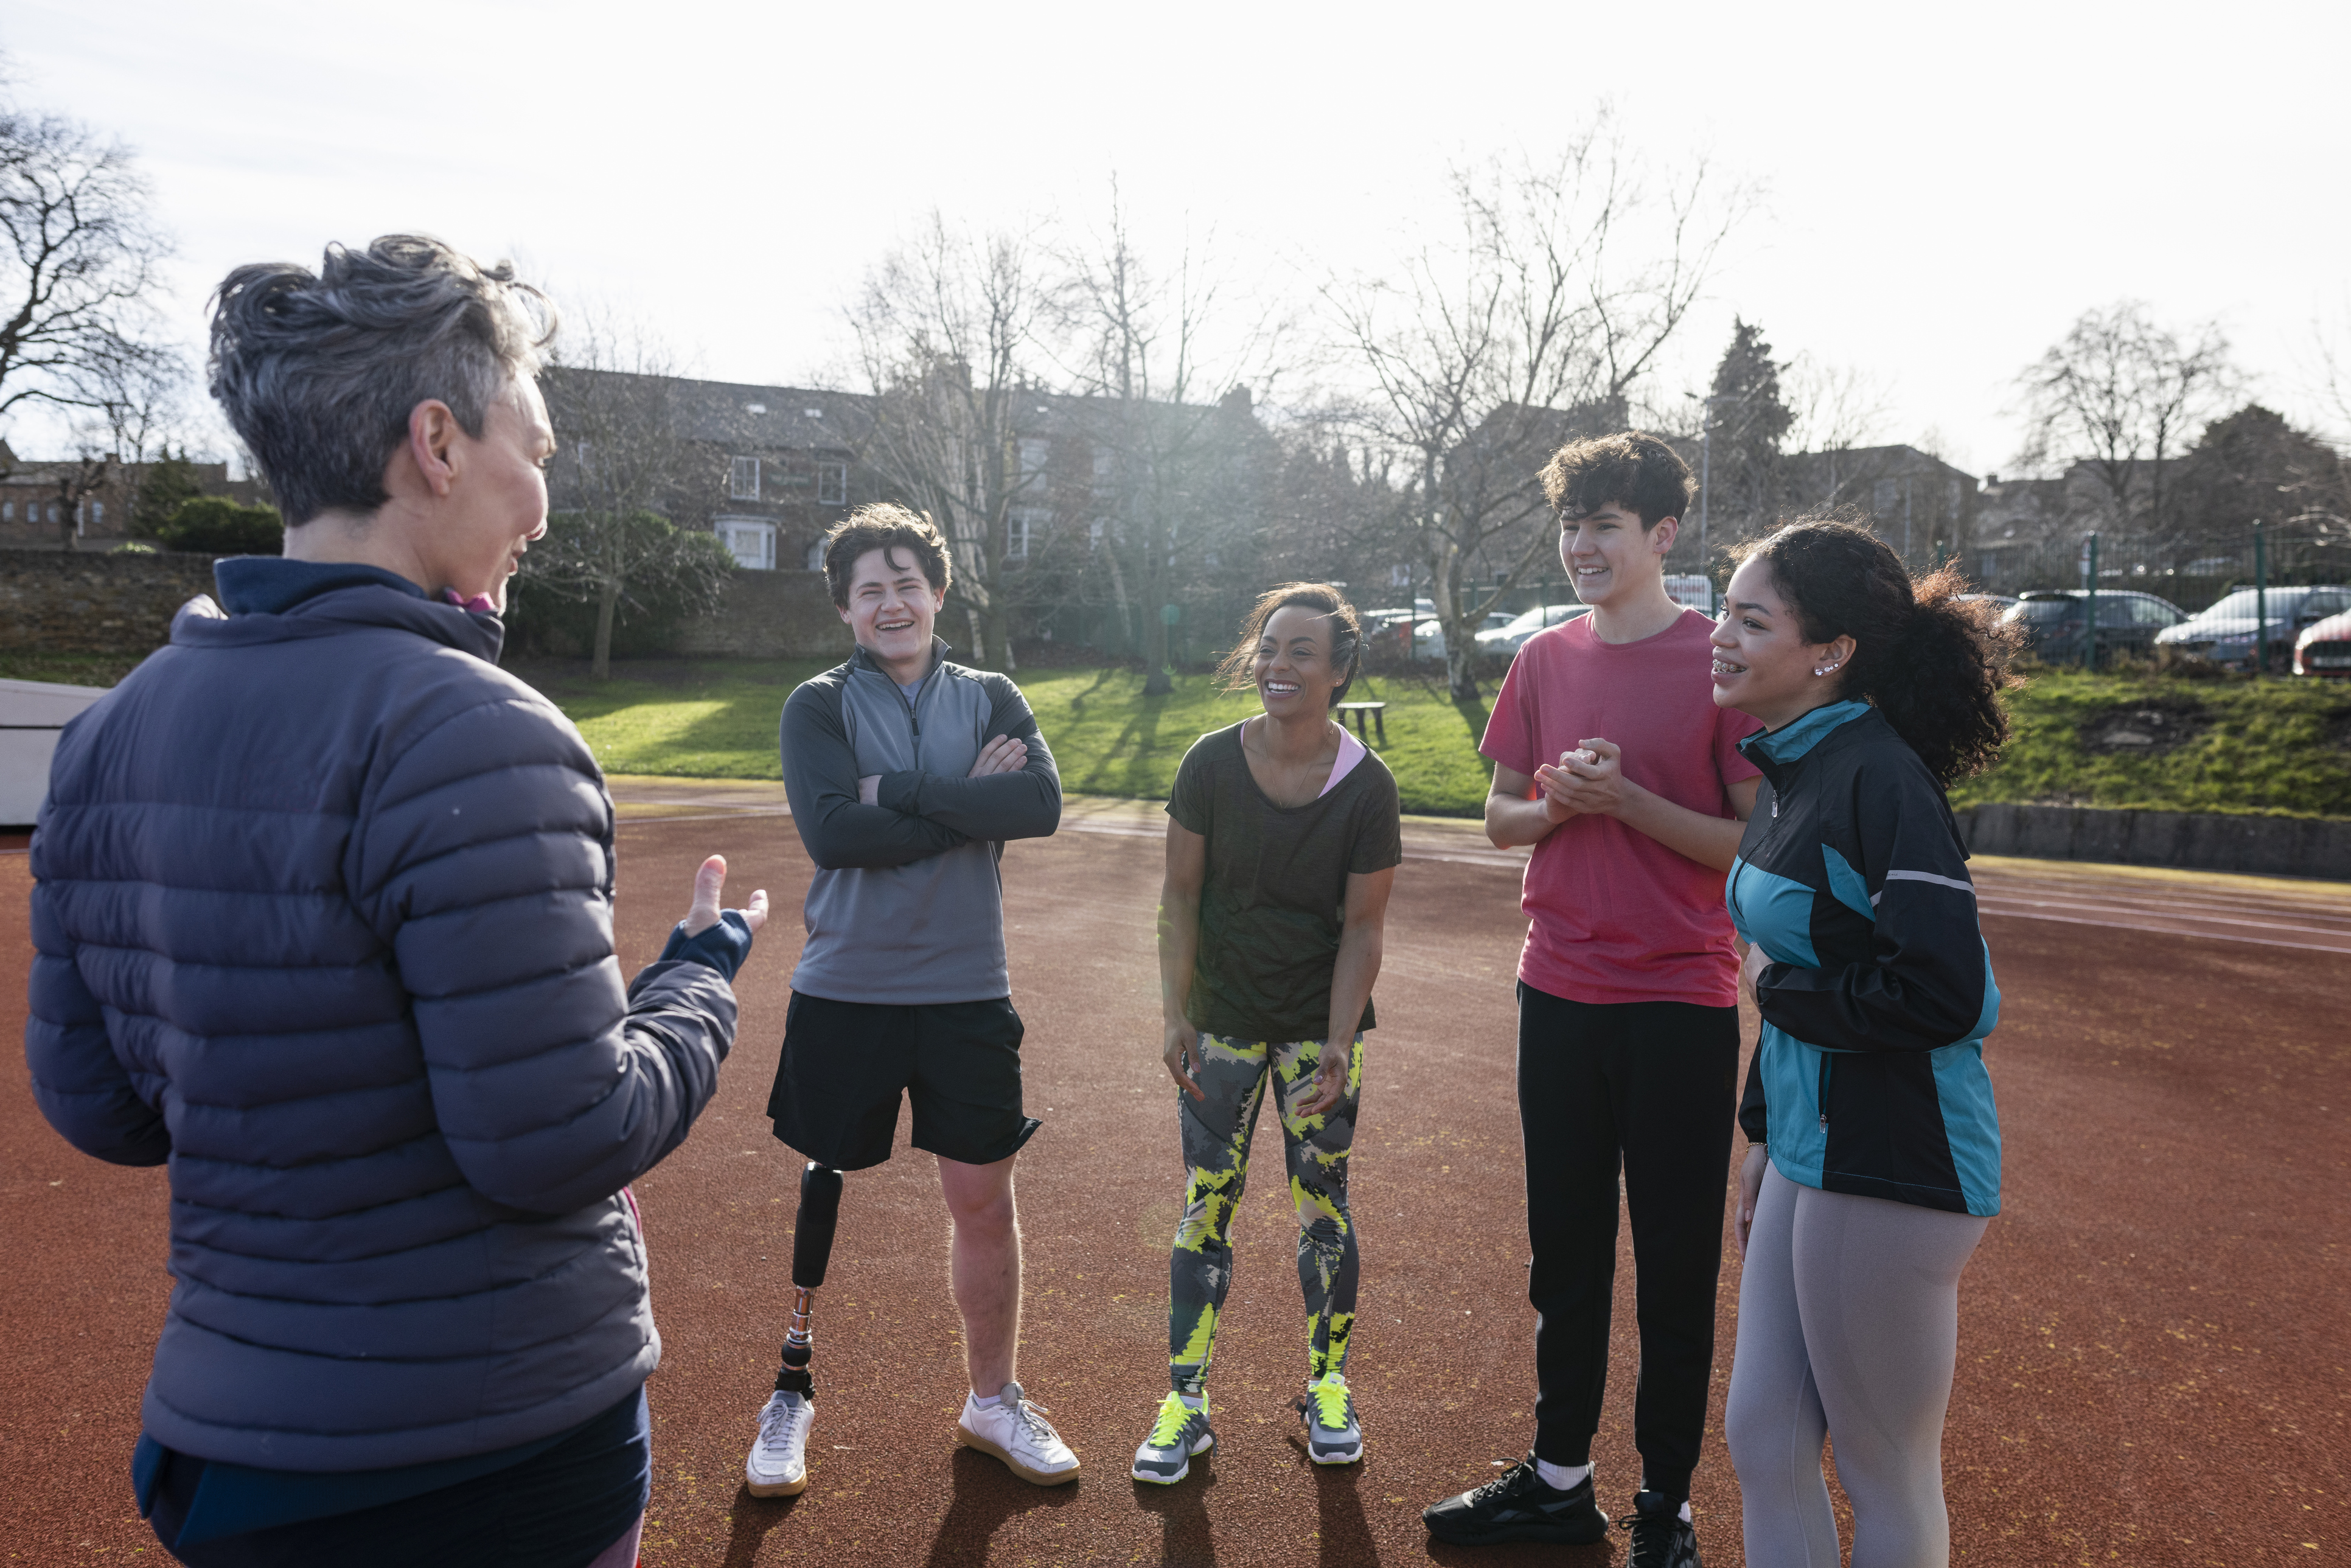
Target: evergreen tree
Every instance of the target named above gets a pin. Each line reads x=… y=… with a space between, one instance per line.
x=172 y=480
x=1750 y=419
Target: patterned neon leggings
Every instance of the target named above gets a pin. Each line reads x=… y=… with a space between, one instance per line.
x=1216 y=1133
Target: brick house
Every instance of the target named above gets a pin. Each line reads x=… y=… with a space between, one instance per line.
x=85 y=504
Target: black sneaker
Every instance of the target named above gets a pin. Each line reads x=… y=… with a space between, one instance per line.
x=1519 y=1505
x=1662 y=1538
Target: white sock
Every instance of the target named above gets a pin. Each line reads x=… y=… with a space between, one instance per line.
x=1194 y=1401
x=1561 y=1477
x=1686 y=1514
x=990 y=1403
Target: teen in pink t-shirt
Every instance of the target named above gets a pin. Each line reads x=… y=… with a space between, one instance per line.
x=1613 y=915
x=1610 y=759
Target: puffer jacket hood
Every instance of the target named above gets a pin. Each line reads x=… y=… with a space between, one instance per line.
x=323 y=919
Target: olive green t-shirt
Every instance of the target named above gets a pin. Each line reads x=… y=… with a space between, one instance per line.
x=1274 y=896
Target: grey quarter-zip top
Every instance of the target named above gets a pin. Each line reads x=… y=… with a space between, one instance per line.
x=907 y=902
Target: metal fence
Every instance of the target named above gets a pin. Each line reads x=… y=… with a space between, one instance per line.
x=2189 y=577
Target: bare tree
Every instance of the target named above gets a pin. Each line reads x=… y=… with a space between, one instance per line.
x=623 y=471
x=1536 y=318
x=78 y=259
x=1171 y=421
x=2122 y=393
x=946 y=332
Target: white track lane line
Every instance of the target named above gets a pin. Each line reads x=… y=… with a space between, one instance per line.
x=2343 y=948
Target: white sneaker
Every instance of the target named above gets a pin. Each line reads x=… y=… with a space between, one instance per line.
x=1017 y=1433
x=778 y=1463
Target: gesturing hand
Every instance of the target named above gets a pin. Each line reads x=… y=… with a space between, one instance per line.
x=1590 y=779
x=1330 y=1080
x=1753 y=966
x=708 y=884
x=1005 y=754
x=1750 y=1183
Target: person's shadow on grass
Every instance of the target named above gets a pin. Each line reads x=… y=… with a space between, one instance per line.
x=986 y=1495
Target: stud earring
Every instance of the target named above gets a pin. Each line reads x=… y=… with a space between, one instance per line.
x=1825 y=670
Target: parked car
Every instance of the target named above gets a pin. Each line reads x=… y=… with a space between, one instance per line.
x=2225 y=633
x=2052 y=620
x=2324 y=648
x=1509 y=637
x=1999 y=601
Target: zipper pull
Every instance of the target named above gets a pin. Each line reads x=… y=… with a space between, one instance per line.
x=1824 y=1121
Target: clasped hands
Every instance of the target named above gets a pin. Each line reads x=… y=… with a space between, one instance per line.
x=1005 y=754
x=1587 y=781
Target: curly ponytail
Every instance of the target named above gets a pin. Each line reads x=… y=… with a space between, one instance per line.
x=1935 y=666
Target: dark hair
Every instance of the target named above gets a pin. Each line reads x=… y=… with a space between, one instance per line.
x=1935 y=666
x=1235 y=674
x=1634 y=469
x=884 y=526
x=318 y=372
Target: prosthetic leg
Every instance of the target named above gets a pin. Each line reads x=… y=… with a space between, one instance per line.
x=812 y=1250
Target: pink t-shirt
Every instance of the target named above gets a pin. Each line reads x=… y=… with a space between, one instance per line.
x=1616 y=916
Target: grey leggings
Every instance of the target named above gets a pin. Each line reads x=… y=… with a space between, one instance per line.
x=1848 y=1327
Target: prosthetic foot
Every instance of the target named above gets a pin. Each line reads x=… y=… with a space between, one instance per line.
x=777 y=1466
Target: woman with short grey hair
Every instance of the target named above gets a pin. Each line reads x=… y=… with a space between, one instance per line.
x=323 y=911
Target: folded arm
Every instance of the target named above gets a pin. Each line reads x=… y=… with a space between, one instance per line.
x=821 y=780
x=1024 y=803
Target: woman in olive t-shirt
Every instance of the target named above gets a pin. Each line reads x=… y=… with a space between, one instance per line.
x=1281 y=846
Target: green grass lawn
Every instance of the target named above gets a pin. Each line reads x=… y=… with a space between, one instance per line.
x=717 y=719
x=2279 y=746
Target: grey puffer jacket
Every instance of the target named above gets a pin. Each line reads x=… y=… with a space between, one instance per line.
x=324 y=920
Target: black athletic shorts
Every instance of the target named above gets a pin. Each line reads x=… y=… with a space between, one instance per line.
x=845 y=1064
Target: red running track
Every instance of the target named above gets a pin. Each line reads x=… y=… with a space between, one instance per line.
x=2152 y=1342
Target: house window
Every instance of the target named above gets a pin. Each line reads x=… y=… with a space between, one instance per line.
x=832 y=484
x=1032 y=460
x=742 y=478
x=751 y=541
x=7 y=511
x=97 y=514
x=1017 y=531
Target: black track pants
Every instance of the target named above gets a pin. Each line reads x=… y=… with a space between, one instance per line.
x=1651 y=1086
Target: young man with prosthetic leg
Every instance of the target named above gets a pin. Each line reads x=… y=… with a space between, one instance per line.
x=906 y=773
x=1611 y=758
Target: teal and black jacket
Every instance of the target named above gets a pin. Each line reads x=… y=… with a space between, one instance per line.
x=1869 y=1075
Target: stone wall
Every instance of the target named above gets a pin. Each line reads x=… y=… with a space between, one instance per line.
x=769 y=615
x=2184 y=841
x=66 y=601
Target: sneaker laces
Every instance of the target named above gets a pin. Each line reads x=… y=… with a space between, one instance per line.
x=1654 y=1535
x=1173 y=1416
x=1031 y=1417
x=1510 y=1482
x=776 y=1422
x=1330 y=1397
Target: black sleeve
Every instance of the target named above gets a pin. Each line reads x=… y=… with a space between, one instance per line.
x=1926 y=980
x=821 y=780
x=1187 y=798
x=1023 y=805
x=1751 y=1120
x=1379 y=824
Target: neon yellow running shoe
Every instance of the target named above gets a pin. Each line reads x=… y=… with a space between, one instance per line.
x=1332 y=1436
x=1178 y=1432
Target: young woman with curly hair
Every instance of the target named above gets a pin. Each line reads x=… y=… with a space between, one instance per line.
x=1282 y=842
x=1873 y=1160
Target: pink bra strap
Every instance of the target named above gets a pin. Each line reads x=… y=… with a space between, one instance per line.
x=1351 y=751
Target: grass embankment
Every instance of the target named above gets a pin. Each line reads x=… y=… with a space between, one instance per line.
x=2127 y=740
x=2161 y=743
x=717 y=719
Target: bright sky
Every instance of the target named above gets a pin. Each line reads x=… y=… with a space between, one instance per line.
x=1945 y=188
